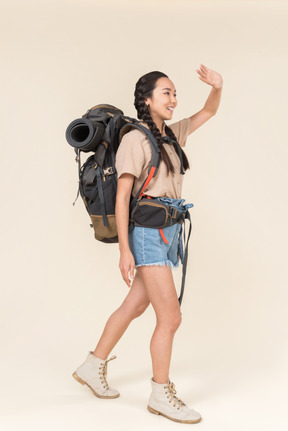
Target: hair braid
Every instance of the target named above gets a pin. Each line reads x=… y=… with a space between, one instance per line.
x=144 y=114
x=144 y=89
x=170 y=134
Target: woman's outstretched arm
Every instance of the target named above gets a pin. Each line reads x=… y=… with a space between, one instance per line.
x=212 y=103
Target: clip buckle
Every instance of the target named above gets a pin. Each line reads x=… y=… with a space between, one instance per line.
x=108 y=171
x=174 y=212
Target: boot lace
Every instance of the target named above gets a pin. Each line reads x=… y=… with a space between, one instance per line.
x=171 y=391
x=103 y=371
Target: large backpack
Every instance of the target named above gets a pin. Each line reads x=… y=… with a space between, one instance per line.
x=100 y=130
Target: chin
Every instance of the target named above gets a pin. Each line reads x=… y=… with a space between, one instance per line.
x=167 y=115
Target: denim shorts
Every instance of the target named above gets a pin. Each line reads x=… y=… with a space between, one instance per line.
x=149 y=248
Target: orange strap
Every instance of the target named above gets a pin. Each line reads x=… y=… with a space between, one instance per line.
x=160 y=230
x=163 y=236
x=150 y=176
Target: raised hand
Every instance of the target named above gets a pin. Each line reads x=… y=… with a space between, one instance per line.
x=210 y=76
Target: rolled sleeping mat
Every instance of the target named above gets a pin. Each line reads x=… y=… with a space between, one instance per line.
x=84 y=134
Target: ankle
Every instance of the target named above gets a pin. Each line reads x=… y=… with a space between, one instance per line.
x=97 y=356
x=160 y=381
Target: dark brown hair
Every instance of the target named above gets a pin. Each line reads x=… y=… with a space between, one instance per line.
x=144 y=89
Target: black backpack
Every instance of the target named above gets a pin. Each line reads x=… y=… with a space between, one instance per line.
x=100 y=130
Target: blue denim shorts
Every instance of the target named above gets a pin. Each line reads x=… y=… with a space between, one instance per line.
x=149 y=248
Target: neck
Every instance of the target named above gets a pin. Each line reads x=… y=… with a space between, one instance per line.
x=161 y=126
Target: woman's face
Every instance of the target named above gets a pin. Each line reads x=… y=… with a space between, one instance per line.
x=163 y=100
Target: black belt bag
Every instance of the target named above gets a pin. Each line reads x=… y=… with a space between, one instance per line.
x=155 y=214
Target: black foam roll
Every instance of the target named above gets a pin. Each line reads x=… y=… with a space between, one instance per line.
x=84 y=134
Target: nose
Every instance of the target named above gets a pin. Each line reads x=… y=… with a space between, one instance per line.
x=173 y=99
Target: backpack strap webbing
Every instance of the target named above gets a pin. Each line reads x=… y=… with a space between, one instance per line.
x=101 y=196
x=155 y=155
x=77 y=159
x=185 y=258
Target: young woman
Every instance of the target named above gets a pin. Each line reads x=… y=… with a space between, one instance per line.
x=148 y=250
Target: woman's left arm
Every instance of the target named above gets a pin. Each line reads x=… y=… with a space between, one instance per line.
x=213 y=101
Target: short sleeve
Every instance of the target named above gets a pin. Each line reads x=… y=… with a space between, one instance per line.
x=130 y=156
x=181 y=130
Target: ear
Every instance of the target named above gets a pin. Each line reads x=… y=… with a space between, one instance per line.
x=147 y=102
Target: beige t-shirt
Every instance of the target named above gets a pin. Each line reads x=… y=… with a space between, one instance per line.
x=134 y=154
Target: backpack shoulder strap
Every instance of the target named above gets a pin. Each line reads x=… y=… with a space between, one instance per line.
x=155 y=159
x=155 y=150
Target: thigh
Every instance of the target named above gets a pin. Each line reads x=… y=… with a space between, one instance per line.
x=161 y=291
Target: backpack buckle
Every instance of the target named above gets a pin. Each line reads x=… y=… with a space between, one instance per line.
x=175 y=213
x=108 y=171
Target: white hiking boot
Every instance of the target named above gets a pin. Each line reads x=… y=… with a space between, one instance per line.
x=93 y=374
x=163 y=402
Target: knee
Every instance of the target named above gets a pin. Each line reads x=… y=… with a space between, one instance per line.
x=176 y=322
x=171 y=323
x=137 y=311
x=134 y=311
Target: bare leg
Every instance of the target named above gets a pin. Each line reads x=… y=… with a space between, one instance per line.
x=133 y=306
x=159 y=284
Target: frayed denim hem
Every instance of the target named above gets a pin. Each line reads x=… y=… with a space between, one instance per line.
x=161 y=263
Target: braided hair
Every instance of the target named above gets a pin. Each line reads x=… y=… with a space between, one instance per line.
x=144 y=89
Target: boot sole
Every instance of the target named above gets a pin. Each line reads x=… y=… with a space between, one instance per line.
x=76 y=377
x=155 y=412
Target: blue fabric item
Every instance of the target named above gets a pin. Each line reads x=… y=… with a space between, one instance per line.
x=149 y=248
x=177 y=203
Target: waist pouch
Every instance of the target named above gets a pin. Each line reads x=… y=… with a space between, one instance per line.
x=155 y=214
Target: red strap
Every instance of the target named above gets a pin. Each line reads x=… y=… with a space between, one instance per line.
x=160 y=230
x=163 y=237
x=150 y=176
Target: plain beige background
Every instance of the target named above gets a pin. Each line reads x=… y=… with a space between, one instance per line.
x=59 y=285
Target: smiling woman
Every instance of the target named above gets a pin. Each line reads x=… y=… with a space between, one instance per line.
x=165 y=96
x=155 y=101
x=152 y=251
